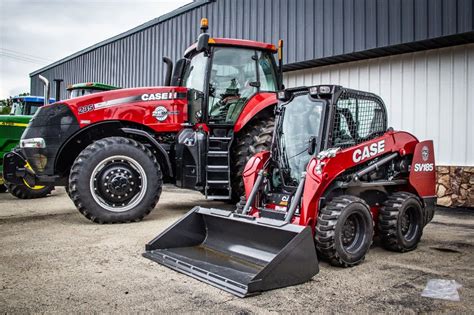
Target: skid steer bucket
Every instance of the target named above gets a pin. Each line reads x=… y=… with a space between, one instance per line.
x=239 y=254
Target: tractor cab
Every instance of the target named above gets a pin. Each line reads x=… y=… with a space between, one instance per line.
x=224 y=75
x=312 y=119
x=27 y=105
x=228 y=83
x=81 y=89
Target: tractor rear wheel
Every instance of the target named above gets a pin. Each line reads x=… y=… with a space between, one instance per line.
x=115 y=180
x=401 y=222
x=255 y=137
x=27 y=192
x=344 y=231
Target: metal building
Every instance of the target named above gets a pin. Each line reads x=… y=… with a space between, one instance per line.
x=417 y=54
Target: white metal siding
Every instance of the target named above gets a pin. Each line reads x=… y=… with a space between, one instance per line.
x=428 y=93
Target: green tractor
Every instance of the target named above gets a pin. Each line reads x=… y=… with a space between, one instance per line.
x=12 y=126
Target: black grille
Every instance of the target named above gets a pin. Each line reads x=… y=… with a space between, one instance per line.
x=359 y=117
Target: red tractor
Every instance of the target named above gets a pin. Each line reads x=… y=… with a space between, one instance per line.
x=113 y=150
x=334 y=176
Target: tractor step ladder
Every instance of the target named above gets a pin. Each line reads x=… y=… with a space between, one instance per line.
x=218 y=168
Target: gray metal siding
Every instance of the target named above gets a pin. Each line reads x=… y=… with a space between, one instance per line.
x=312 y=29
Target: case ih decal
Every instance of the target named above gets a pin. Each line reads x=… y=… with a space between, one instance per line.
x=159 y=96
x=132 y=99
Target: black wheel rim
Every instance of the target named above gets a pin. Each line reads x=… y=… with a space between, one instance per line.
x=353 y=233
x=118 y=183
x=408 y=223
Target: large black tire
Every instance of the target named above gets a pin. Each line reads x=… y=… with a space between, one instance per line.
x=107 y=178
x=3 y=188
x=255 y=137
x=401 y=222
x=344 y=231
x=25 y=192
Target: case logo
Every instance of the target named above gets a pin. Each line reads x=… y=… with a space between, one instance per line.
x=159 y=96
x=368 y=151
x=160 y=113
x=425 y=153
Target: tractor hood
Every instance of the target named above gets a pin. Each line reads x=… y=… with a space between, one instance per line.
x=161 y=108
x=152 y=106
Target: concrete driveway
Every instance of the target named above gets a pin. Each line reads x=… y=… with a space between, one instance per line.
x=52 y=259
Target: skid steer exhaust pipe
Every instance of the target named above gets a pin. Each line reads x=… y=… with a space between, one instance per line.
x=237 y=253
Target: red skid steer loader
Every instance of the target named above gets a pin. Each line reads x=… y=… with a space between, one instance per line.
x=334 y=176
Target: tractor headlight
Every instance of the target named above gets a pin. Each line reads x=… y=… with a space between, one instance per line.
x=313 y=90
x=282 y=96
x=324 y=90
x=37 y=143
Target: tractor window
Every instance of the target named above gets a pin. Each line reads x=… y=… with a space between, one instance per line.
x=266 y=72
x=233 y=80
x=31 y=108
x=195 y=73
x=17 y=108
x=358 y=118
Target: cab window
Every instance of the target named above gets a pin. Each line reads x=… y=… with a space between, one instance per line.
x=236 y=75
x=195 y=73
x=31 y=108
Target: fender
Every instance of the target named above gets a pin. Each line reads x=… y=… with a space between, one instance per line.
x=155 y=143
x=253 y=166
x=64 y=150
x=116 y=129
x=254 y=106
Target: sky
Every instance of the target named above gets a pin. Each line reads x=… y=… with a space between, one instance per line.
x=35 y=33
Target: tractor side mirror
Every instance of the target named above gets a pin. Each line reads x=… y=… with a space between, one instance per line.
x=311 y=145
x=178 y=72
x=202 y=43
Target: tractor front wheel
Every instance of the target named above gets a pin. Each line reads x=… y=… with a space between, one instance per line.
x=401 y=222
x=115 y=180
x=344 y=231
x=27 y=192
x=255 y=137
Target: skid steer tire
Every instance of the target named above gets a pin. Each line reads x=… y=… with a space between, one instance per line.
x=344 y=231
x=255 y=137
x=26 y=192
x=115 y=180
x=401 y=222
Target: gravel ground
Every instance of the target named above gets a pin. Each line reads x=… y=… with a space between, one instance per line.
x=52 y=259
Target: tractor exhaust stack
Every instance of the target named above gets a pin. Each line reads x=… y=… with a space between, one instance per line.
x=58 y=89
x=237 y=253
x=46 y=89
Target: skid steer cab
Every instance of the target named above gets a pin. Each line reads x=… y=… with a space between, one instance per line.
x=113 y=150
x=334 y=174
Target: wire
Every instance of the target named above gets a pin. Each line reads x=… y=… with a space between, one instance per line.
x=18 y=58
x=19 y=53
